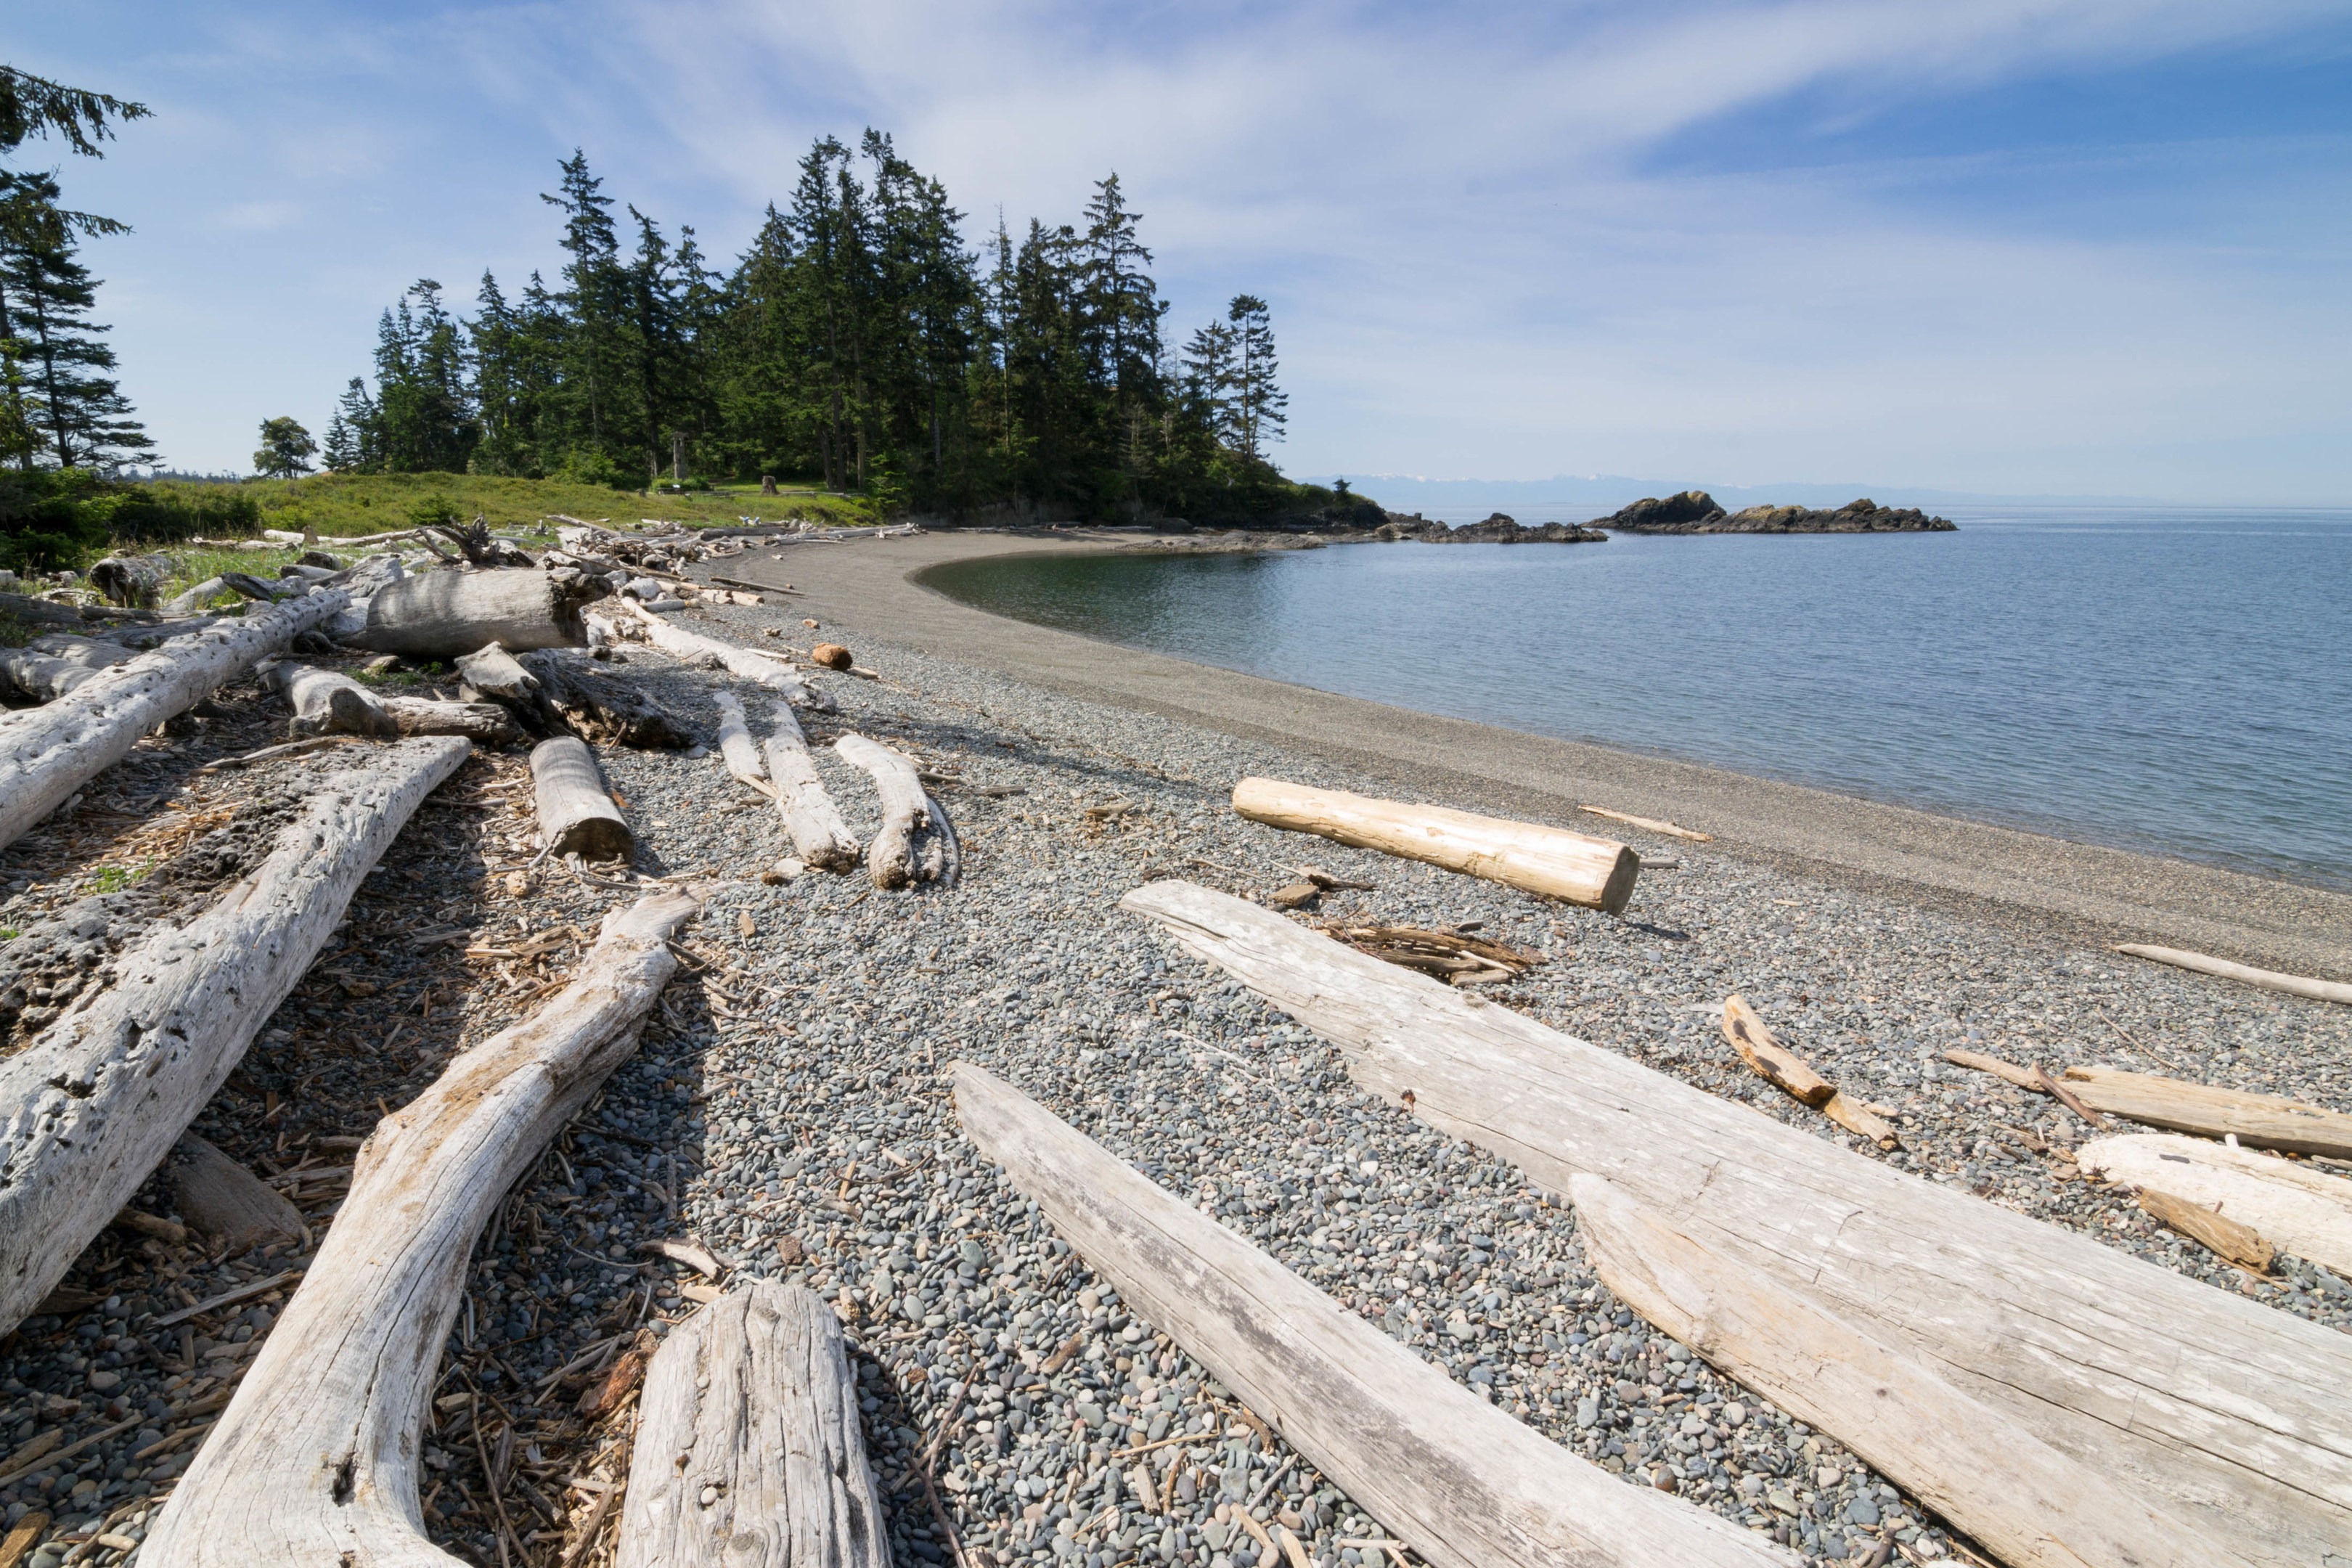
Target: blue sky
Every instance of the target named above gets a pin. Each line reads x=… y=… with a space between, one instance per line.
x=1995 y=246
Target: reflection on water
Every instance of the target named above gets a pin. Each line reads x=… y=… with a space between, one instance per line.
x=2179 y=682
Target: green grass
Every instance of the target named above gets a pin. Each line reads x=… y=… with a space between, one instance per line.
x=344 y=504
x=114 y=879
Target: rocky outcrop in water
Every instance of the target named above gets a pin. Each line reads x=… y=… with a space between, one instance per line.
x=1695 y=512
x=1499 y=529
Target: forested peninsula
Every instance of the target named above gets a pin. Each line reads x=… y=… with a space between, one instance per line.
x=859 y=343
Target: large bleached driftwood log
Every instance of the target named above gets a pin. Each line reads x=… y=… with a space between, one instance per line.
x=326 y=702
x=93 y=1105
x=819 y=838
x=736 y=747
x=2298 y=1208
x=752 y=1398
x=45 y=677
x=916 y=843
x=2268 y=979
x=2034 y=1505
x=224 y=1201
x=576 y=816
x=441 y=614
x=315 y=1461
x=2264 y=1121
x=1464 y=1484
x=2218 y=1408
x=693 y=647
x=48 y=753
x=1595 y=872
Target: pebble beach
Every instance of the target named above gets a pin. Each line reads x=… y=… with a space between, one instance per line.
x=789 y=1109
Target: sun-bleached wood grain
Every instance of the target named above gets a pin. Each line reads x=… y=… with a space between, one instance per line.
x=819 y=838
x=576 y=815
x=1462 y=1483
x=2227 y=969
x=2297 y=1208
x=224 y=1201
x=49 y=752
x=95 y=1103
x=325 y=701
x=753 y=1398
x=446 y=613
x=2264 y=1121
x=2034 y=1505
x=314 y=1463
x=2223 y=1410
x=750 y=664
x=1596 y=872
x=916 y=843
x=736 y=747
x=1772 y=1061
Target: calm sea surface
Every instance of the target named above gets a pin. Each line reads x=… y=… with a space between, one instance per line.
x=2172 y=681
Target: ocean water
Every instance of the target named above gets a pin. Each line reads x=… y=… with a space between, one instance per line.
x=2179 y=682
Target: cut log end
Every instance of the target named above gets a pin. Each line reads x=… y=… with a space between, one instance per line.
x=576 y=816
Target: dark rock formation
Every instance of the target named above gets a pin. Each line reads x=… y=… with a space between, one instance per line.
x=1695 y=512
x=1497 y=530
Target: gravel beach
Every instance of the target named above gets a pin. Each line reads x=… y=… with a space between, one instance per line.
x=789 y=1108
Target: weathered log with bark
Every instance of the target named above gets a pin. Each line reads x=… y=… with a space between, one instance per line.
x=2264 y=1121
x=736 y=747
x=917 y=844
x=225 y=1202
x=752 y=1399
x=494 y=673
x=2300 y=1208
x=1462 y=1482
x=29 y=611
x=2034 y=1505
x=1595 y=872
x=2268 y=979
x=315 y=1461
x=819 y=835
x=96 y=1102
x=326 y=702
x=579 y=695
x=441 y=614
x=48 y=753
x=2218 y=1408
x=576 y=816
x=132 y=581
x=693 y=647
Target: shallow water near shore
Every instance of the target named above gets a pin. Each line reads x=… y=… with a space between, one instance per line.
x=2173 y=682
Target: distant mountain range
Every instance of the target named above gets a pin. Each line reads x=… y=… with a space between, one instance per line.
x=1577 y=498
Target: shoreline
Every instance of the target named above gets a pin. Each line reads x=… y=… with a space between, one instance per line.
x=2089 y=891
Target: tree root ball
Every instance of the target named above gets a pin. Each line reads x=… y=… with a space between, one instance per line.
x=830 y=656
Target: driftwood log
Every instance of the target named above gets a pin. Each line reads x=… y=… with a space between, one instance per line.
x=96 y=1102
x=315 y=1461
x=578 y=695
x=326 y=702
x=441 y=614
x=1773 y=1062
x=2264 y=1121
x=2216 y=1407
x=819 y=838
x=752 y=1398
x=223 y=1200
x=2300 y=1208
x=2034 y=1505
x=131 y=581
x=576 y=816
x=916 y=843
x=1595 y=872
x=1651 y=823
x=494 y=673
x=44 y=677
x=1462 y=1483
x=2268 y=979
x=484 y=724
x=736 y=747
x=46 y=753
x=29 y=611
x=693 y=647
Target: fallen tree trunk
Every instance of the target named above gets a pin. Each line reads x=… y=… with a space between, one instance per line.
x=2031 y=1505
x=46 y=753
x=315 y=1461
x=916 y=843
x=576 y=816
x=736 y=747
x=2264 y=1121
x=326 y=702
x=484 y=724
x=33 y=612
x=2268 y=979
x=441 y=614
x=43 y=677
x=748 y=663
x=130 y=581
x=96 y=1102
x=1465 y=1484
x=2304 y=1211
x=1594 y=872
x=576 y=694
x=493 y=672
x=2219 y=1407
x=225 y=1202
x=819 y=838
x=752 y=1398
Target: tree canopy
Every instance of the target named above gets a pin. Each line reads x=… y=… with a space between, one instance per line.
x=857 y=341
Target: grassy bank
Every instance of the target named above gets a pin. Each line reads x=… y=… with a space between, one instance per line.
x=337 y=504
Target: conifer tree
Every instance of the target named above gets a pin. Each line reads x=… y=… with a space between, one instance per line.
x=286 y=449
x=66 y=394
x=1259 y=403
